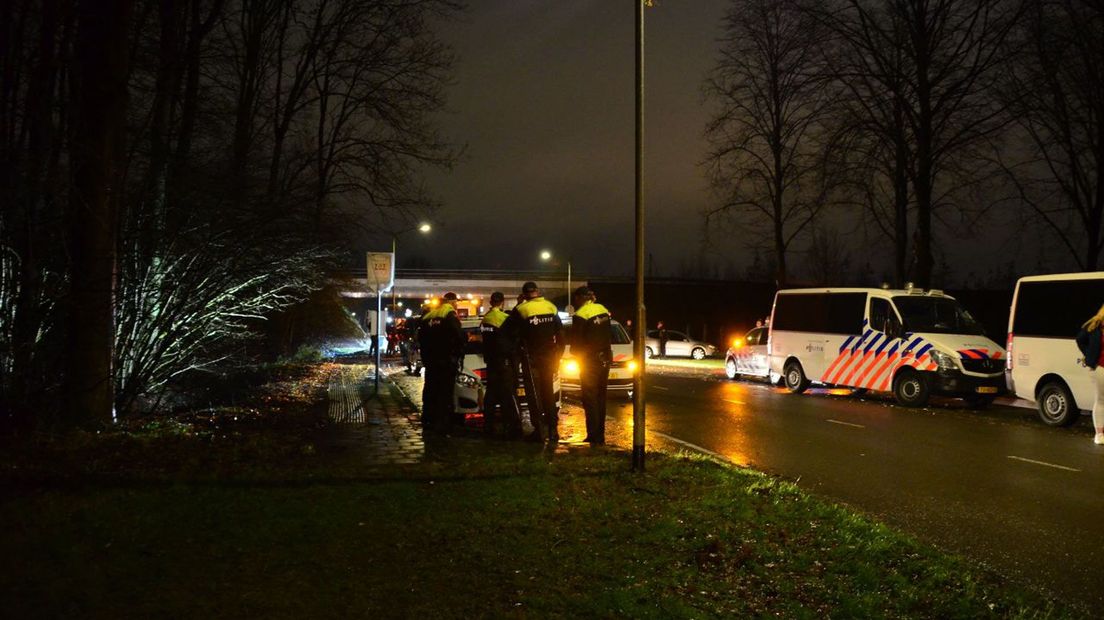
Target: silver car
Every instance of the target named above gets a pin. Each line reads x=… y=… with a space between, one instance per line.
x=678 y=345
x=748 y=355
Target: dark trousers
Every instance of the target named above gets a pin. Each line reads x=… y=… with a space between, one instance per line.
x=540 y=395
x=438 y=396
x=500 y=403
x=662 y=347
x=592 y=384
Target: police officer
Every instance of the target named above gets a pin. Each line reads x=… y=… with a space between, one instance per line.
x=498 y=353
x=442 y=343
x=538 y=323
x=590 y=345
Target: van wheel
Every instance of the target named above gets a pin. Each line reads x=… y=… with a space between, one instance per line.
x=1056 y=406
x=648 y=353
x=795 y=378
x=911 y=389
x=730 y=368
x=698 y=353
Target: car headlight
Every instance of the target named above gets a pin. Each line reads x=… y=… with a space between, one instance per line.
x=945 y=361
x=467 y=381
x=570 y=367
x=631 y=366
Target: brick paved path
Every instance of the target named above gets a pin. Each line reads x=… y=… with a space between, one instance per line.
x=386 y=428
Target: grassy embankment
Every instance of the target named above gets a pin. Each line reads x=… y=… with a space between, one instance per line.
x=483 y=529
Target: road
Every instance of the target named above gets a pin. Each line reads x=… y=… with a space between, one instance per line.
x=997 y=486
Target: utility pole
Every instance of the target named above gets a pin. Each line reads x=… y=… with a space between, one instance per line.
x=640 y=331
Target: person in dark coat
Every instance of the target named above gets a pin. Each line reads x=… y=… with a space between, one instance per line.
x=441 y=339
x=499 y=353
x=1091 y=342
x=538 y=324
x=590 y=346
x=662 y=336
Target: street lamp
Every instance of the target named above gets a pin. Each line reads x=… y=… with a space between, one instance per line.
x=546 y=255
x=423 y=228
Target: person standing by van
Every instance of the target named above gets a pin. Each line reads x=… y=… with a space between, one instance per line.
x=1089 y=341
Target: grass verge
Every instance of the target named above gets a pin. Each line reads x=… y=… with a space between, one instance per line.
x=481 y=530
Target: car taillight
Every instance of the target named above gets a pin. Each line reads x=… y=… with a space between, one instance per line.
x=1008 y=352
x=481 y=373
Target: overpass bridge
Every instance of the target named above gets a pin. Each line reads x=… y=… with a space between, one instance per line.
x=418 y=285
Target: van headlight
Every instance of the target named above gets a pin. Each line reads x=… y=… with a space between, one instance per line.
x=945 y=361
x=631 y=366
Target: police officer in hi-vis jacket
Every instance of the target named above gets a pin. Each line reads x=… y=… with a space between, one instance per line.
x=499 y=350
x=441 y=339
x=538 y=324
x=590 y=346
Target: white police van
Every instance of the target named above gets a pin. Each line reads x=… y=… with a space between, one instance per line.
x=912 y=342
x=1044 y=364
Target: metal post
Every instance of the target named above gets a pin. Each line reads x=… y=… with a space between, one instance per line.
x=379 y=328
x=569 y=282
x=639 y=332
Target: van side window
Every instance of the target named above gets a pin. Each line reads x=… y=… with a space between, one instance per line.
x=879 y=313
x=831 y=313
x=753 y=337
x=1056 y=309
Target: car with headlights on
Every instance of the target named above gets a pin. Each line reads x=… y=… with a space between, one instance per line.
x=471 y=386
x=748 y=356
x=622 y=369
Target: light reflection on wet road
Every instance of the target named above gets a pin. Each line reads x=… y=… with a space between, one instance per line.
x=995 y=486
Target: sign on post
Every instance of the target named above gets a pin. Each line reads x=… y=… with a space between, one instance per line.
x=381 y=271
x=381 y=277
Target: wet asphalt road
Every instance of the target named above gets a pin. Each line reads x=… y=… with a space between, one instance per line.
x=996 y=486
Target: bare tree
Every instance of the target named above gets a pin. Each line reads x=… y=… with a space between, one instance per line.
x=1055 y=89
x=935 y=62
x=766 y=158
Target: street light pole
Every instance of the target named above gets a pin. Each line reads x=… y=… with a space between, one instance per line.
x=639 y=332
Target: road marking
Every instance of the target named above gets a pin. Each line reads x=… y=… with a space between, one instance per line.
x=659 y=387
x=845 y=423
x=734 y=402
x=705 y=451
x=1044 y=463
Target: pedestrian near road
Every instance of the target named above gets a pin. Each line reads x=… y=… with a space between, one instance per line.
x=1089 y=340
x=499 y=354
x=662 y=335
x=442 y=343
x=537 y=323
x=590 y=346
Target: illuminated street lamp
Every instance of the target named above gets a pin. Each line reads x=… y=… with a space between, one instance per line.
x=546 y=255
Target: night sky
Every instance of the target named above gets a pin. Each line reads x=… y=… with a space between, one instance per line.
x=543 y=101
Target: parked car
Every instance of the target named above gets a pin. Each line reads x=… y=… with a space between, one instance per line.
x=748 y=356
x=471 y=386
x=621 y=370
x=678 y=345
x=1044 y=364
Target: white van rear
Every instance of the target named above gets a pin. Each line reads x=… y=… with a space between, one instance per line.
x=1044 y=364
x=912 y=342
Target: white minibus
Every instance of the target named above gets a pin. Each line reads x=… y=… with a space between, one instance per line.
x=911 y=342
x=1044 y=364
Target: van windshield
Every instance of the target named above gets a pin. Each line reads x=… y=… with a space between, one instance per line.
x=938 y=315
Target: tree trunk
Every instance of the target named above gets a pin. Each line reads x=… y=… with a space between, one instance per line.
x=900 y=196
x=97 y=148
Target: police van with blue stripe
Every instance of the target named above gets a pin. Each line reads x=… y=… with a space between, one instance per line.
x=911 y=342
